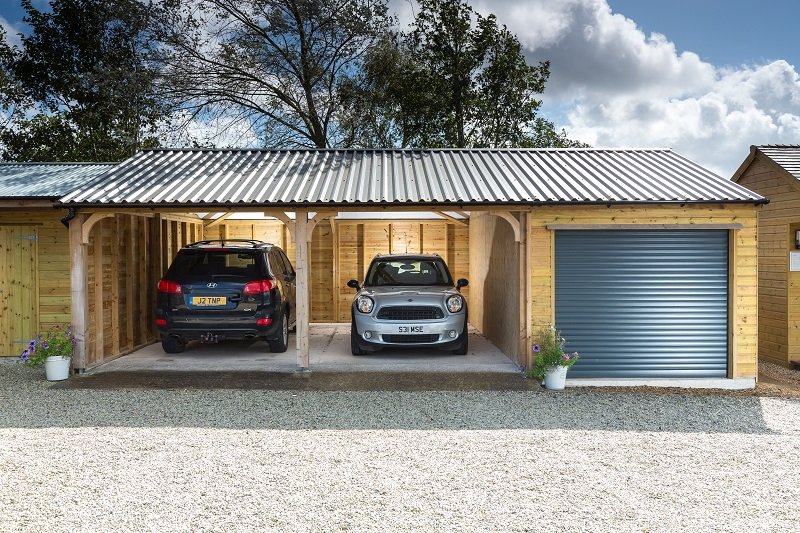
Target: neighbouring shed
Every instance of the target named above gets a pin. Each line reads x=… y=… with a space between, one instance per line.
x=773 y=171
x=34 y=248
x=645 y=260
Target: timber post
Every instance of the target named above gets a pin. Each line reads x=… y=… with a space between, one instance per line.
x=78 y=283
x=302 y=307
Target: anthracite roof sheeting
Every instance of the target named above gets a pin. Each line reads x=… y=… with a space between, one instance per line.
x=175 y=177
x=46 y=180
x=785 y=155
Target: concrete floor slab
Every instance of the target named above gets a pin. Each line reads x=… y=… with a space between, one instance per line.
x=330 y=352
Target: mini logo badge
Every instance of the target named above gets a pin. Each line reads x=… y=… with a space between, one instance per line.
x=211 y=285
x=410 y=299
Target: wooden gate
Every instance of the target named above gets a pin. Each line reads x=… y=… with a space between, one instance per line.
x=18 y=294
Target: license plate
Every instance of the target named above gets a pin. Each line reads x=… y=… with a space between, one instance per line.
x=410 y=329
x=209 y=301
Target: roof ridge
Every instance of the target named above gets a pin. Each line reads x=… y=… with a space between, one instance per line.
x=387 y=150
x=57 y=163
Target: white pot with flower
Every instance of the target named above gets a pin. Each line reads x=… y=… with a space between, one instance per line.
x=54 y=350
x=552 y=361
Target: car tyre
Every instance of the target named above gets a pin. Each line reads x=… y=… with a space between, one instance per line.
x=463 y=346
x=281 y=344
x=354 y=347
x=173 y=345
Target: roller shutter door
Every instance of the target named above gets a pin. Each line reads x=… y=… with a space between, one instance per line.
x=644 y=304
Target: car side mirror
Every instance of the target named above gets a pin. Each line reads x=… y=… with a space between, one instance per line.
x=463 y=282
x=353 y=284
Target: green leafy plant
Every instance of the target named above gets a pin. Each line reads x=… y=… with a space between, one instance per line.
x=549 y=352
x=58 y=341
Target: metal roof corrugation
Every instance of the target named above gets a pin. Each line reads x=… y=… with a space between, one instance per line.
x=46 y=180
x=431 y=177
x=785 y=155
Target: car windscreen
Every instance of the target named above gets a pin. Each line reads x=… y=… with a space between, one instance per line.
x=409 y=272
x=215 y=264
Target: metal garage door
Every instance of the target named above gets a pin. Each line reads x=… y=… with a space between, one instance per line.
x=644 y=303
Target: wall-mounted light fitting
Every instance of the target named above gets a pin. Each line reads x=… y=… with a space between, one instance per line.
x=797 y=239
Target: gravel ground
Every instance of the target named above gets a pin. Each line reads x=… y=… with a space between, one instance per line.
x=225 y=460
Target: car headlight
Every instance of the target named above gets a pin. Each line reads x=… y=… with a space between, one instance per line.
x=455 y=303
x=365 y=304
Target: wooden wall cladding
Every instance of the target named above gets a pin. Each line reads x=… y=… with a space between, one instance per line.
x=341 y=251
x=128 y=254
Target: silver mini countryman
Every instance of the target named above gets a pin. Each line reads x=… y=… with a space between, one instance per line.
x=409 y=301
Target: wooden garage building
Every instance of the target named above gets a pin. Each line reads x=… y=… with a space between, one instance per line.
x=773 y=171
x=645 y=260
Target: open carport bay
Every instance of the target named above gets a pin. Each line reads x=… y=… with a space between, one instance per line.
x=329 y=351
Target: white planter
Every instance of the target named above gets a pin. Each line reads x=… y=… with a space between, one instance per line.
x=555 y=377
x=56 y=368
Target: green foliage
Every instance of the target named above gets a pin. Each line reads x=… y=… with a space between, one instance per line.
x=457 y=79
x=549 y=352
x=58 y=341
x=84 y=83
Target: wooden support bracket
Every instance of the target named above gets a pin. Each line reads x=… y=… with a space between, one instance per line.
x=511 y=219
x=217 y=221
x=89 y=223
x=283 y=217
x=451 y=218
x=319 y=217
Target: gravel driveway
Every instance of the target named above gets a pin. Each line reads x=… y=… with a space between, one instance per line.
x=226 y=460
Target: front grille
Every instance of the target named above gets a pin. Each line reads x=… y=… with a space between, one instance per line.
x=410 y=313
x=410 y=338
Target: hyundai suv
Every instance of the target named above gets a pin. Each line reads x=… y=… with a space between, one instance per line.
x=406 y=301
x=226 y=289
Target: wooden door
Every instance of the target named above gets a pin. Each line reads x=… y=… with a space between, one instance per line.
x=18 y=302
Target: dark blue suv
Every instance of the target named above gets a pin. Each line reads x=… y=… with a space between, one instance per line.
x=226 y=289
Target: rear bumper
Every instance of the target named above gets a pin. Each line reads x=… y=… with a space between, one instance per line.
x=220 y=329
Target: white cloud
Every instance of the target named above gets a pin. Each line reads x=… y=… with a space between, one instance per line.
x=617 y=87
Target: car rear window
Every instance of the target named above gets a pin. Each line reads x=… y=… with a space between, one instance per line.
x=214 y=264
x=411 y=272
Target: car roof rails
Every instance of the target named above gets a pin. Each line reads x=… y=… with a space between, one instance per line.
x=223 y=242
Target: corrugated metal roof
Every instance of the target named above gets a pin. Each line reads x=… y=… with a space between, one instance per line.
x=46 y=180
x=785 y=155
x=172 y=177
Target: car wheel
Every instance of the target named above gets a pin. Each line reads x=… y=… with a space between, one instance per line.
x=173 y=345
x=354 y=347
x=280 y=344
x=463 y=346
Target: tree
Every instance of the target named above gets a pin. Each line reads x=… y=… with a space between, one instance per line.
x=84 y=72
x=273 y=66
x=457 y=79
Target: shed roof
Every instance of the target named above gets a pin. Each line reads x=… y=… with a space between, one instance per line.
x=46 y=180
x=787 y=156
x=318 y=178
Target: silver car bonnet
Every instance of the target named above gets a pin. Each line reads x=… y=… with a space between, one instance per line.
x=430 y=295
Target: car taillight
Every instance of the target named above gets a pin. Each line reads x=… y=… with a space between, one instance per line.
x=263 y=321
x=169 y=287
x=161 y=321
x=257 y=287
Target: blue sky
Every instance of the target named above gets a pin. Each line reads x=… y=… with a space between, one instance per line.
x=707 y=78
x=722 y=32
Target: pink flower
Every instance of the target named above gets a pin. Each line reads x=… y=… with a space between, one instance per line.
x=565 y=356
